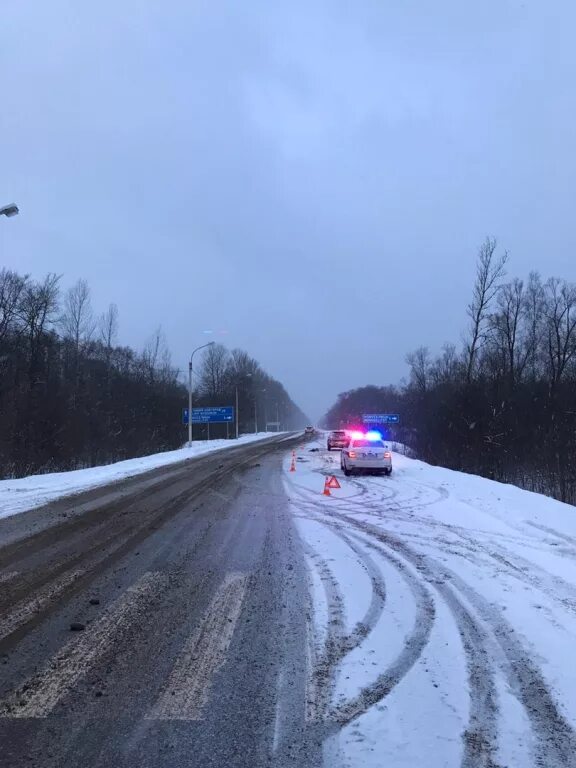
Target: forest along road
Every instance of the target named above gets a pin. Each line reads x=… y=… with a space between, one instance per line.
x=158 y=622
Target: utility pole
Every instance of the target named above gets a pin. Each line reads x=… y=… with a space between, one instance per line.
x=210 y=343
x=236 y=412
x=265 y=411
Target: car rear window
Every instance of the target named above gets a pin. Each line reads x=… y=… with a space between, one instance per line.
x=368 y=444
x=338 y=434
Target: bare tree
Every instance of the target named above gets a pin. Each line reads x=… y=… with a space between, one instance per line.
x=77 y=319
x=241 y=362
x=38 y=307
x=561 y=327
x=213 y=370
x=489 y=271
x=534 y=304
x=509 y=330
x=446 y=367
x=156 y=360
x=419 y=362
x=241 y=368
x=108 y=327
x=12 y=287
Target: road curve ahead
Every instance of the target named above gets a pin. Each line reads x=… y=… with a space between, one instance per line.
x=158 y=622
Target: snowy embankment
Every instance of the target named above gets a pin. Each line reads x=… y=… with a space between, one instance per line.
x=29 y=492
x=444 y=617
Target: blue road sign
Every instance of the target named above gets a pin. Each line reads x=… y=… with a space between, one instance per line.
x=185 y=416
x=381 y=418
x=216 y=415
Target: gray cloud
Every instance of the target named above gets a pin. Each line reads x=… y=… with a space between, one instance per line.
x=313 y=177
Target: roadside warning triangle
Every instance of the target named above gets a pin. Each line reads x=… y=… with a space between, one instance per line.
x=333 y=482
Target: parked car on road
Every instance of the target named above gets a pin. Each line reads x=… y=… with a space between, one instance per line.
x=366 y=456
x=338 y=438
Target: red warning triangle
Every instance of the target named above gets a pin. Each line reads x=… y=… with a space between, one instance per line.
x=333 y=482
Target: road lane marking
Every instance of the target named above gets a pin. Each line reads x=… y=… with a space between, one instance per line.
x=8 y=576
x=204 y=652
x=26 y=610
x=39 y=695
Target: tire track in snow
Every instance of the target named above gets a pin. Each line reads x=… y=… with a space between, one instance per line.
x=480 y=738
x=323 y=668
x=555 y=737
x=338 y=642
x=553 y=532
x=556 y=747
x=525 y=571
x=417 y=639
x=415 y=643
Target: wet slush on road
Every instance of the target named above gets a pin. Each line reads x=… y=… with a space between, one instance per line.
x=164 y=627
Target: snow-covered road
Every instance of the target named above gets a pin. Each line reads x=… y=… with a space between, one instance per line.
x=444 y=617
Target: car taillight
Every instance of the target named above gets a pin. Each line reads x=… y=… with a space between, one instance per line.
x=387 y=455
x=351 y=454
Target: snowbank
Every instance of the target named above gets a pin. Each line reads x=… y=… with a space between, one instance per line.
x=34 y=491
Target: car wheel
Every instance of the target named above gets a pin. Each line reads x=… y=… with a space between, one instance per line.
x=389 y=471
x=347 y=472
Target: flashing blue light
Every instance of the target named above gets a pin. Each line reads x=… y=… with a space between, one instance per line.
x=373 y=435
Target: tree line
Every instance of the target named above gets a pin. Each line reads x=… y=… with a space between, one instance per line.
x=72 y=397
x=503 y=403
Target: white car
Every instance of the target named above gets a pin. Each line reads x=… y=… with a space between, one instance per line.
x=364 y=455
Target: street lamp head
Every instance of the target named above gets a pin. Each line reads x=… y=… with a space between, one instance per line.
x=9 y=210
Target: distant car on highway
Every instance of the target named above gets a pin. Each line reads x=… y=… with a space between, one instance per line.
x=309 y=430
x=366 y=455
x=339 y=438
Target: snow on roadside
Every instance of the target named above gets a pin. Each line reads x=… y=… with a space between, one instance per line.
x=467 y=659
x=33 y=491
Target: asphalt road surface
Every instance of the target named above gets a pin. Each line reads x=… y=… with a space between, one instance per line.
x=159 y=622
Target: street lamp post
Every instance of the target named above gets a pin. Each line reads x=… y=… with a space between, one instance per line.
x=248 y=376
x=265 y=410
x=210 y=343
x=9 y=210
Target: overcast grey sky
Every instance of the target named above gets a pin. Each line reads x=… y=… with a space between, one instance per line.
x=320 y=174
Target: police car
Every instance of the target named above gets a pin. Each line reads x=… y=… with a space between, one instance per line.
x=366 y=453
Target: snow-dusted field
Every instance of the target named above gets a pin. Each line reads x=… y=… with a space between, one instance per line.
x=444 y=629
x=35 y=490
